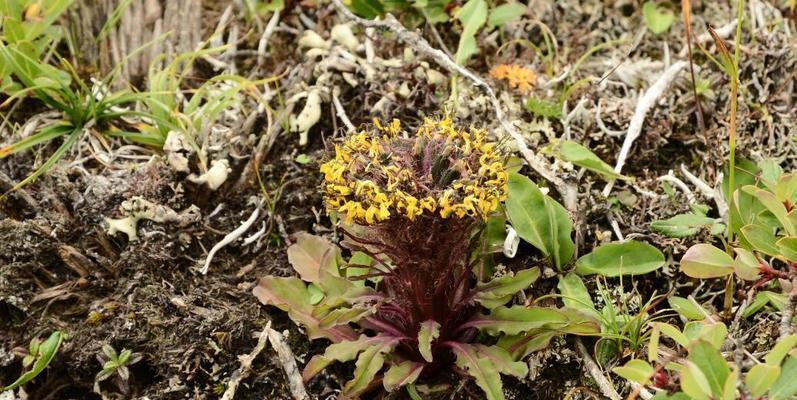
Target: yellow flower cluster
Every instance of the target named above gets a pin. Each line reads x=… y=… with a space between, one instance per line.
x=441 y=170
x=517 y=76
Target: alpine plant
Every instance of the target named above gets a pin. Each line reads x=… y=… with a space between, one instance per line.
x=408 y=304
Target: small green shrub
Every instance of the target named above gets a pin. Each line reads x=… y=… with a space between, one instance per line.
x=704 y=374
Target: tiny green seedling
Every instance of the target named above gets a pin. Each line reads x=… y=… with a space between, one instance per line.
x=40 y=354
x=115 y=365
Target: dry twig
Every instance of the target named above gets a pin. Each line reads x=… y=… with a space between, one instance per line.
x=285 y=355
x=605 y=386
x=644 y=105
x=246 y=364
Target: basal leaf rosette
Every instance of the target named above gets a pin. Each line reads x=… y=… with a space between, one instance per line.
x=437 y=171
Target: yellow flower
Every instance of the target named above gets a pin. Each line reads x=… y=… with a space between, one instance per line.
x=441 y=171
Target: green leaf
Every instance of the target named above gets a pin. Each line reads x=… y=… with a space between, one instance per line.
x=774 y=206
x=672 y=332
x=337 y=313
x=303 y=159
x=346 y=350
x=763 y=298
x=45 y=355
x=517 y=320
x=368 y=365
x=616 y=259
x=710 y=361
x=760 y=378
x=786 y=188
x=46 y=134
x=544 y=108
x=430 y=330
x=781 y=349
x=316 y=293
x=788 y=248
x=472 y=15
x=539 y=220
x=311 y=254
x=499 y=291
x=485 y=364
x=786 y=386
x=746 y=265
x=694 y=383
x=687 y=308
x=505 y=13
x=729 y=390
x=706 y=261
x=713 y=333
x=291 y=295
x=360 y=264
x=575 y=294
x=770 y=171
x=402 y=374
x=682 y=225
x=583 y=157
x=520 y=346
x=635 y=370
x=657 y=19
x=761 y=238
x=368 y=9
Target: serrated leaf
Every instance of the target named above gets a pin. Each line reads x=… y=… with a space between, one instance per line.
x=635 y=370
x=583 y=157
x=520 y=346
x=682 y=225
x=291 y=295
x=505 y=13
x=617 y=259
x=519 y=319
x=658 y=20
x=539 y=220
x=430 y=330
x=311 y=254
x=499 y=291
x=706 y=261
x=402 y=374
x=368 y=364
x=346 y=350
x=760 y=378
